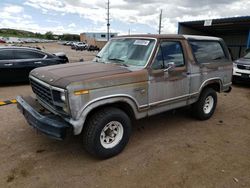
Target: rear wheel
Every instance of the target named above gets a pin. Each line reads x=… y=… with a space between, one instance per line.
x=107 y=132
x=204 y=108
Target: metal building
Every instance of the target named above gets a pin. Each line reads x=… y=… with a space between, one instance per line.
x=96 y=39
x=235 y=31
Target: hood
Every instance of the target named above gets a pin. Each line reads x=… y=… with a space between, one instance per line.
x=89 y=74
x=243 y=61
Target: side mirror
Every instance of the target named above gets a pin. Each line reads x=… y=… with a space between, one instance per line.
x=169 y=67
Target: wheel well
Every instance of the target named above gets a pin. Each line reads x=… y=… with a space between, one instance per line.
x=121 y=105
x=215 y=85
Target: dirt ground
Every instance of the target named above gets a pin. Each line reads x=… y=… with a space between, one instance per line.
x=168 y=150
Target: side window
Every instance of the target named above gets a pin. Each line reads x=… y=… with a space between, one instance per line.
x=26 y=54
x=159 y=62
x=207 y=51
x=49 y=56
x=6 y=55
x=170 y=52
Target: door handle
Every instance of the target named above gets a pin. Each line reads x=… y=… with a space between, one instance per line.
x=38 y=62
x=8 y=64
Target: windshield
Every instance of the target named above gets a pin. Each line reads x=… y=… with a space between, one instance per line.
x=126 y=51
x=247 y=56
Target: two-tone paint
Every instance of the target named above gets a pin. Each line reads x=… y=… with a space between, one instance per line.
x=141 y=92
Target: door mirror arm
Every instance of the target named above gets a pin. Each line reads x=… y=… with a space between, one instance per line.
x=170 y=67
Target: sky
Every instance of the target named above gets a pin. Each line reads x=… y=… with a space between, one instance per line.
x=138 y=16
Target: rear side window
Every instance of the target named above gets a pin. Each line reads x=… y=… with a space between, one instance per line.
x=207 y=51
x=6 y=54
x=26 y=54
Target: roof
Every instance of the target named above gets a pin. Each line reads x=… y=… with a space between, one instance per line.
x=111 y=33
x=198 y=37
x=172 y=36
x=157 y=36
x=17 y=47
x=229 y=25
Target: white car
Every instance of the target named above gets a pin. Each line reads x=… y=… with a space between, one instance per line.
x=241 y=70
x=81 y=46
x=14 y=40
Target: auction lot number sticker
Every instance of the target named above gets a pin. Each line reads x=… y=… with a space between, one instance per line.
x=141 y=42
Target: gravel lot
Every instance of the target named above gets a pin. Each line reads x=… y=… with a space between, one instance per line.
x=168 y=150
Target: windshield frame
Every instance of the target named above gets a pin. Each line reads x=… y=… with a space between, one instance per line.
x=152 y=51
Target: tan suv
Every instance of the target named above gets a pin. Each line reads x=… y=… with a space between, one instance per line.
x=132 y=77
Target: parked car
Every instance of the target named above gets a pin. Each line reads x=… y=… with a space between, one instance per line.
x=14 y=40
x=70 y=43
x=81 y=46
x=2 y=41
x=73 y=45
x=21 y=45
x=132 y=77
x=17 y=62
x=93 y=48
x=241 y=71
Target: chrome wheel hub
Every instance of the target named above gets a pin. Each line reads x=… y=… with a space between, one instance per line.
x=208 y=106
x=111 y=134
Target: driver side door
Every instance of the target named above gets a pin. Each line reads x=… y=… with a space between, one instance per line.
x=168 y=78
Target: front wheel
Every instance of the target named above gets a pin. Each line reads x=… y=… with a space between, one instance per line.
x=107 y=132
x=204 y=108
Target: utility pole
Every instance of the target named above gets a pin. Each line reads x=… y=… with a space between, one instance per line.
x=160 y=18
x=108 y=19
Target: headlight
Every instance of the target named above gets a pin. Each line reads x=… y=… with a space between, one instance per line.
x=234 y=64
x=63 y=97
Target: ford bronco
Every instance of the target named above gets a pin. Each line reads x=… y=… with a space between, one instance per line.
x=132 y=77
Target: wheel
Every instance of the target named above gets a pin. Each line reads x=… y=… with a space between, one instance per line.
x=204 y=108
x=67 y=60
x=107 y=132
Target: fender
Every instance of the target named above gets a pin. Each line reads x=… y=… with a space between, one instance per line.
x=216 y=80
x=83 y=113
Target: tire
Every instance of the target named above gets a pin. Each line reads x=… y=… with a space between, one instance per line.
x=204 y=108
x=98 y=138
x=67 y=60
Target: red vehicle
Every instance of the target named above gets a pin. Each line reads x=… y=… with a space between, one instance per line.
x=2 y=41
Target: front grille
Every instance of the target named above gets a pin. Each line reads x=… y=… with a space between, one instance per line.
x=243 y=67
x=43 y=92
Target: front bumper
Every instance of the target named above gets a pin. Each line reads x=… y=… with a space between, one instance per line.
x=47 y=123
x=243 y=79
x=243 y=73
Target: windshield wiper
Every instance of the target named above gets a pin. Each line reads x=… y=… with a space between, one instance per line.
x=98 y=59
x=116 y=59
x=120 y=61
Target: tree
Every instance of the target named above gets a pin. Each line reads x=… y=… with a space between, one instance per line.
x=49 y=35
x=70 y=37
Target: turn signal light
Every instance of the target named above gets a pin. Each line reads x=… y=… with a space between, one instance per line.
x=81 y=92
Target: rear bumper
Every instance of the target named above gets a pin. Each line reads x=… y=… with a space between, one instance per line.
x=49 y=124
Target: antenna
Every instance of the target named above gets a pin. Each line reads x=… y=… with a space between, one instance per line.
x=160 y=19
x=108 y=19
